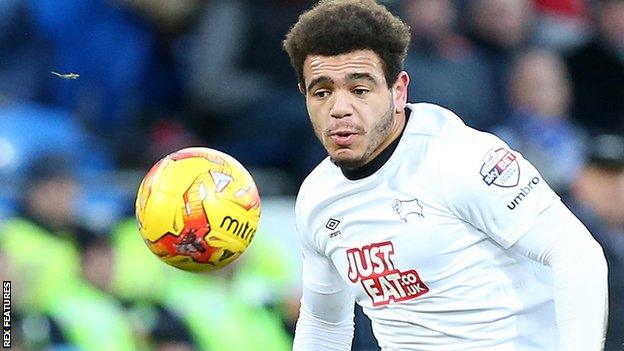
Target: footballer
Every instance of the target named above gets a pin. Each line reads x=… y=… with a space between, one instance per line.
x=447 y=238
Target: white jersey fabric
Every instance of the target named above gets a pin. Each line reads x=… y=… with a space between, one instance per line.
x=422 y=243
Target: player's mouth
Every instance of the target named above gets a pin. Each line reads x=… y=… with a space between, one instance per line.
x=343 y=137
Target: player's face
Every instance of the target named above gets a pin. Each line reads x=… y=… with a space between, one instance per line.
x=354 y=113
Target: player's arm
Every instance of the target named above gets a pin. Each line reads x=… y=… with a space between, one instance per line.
x=497 y=191
x=326 y=314
x=559 y=240
x=325 y=322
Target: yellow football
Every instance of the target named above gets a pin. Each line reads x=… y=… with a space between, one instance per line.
x=198 y=209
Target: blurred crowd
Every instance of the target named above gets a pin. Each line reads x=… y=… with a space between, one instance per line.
x=93 y=92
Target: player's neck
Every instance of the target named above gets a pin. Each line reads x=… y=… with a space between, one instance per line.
x=386 y=150
x=396 y=131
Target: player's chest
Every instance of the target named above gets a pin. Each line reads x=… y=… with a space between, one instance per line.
x=386 y=244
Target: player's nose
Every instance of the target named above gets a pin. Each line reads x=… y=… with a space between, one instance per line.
x=342 y=105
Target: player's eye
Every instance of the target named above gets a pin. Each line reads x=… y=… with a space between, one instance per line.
x=360 y=91
x=321 y=93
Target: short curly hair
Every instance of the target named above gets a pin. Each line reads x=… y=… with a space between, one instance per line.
x=335 y=27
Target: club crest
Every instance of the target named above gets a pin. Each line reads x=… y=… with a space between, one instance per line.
x=403 y=208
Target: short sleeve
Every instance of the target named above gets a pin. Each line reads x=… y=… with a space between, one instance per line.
x=318 y=271
x=489 y=185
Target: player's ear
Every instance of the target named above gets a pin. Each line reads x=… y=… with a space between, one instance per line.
x=399 y=91
x=302 y=89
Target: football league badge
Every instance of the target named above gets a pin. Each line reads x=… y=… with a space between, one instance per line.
x=500 y=167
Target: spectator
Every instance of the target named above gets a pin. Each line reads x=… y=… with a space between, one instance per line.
x=160 y=123
x=221 y=302
x=23 y=53
x=539 y=125
x=561 y=24
x=170 y=17
x=49 y=129
x=499 y=29
x=29 y=130
x=443 y=65
x=153 y=326
x=170 y=333
x=597 y=71
x=234 y=72
x=49 y=269
x=125 y=77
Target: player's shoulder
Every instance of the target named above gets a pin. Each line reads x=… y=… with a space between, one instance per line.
x=448 y=131
x=432 y=120
x=454 y=149
x=449 y=139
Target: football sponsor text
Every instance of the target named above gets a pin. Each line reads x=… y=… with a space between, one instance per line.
x=372 y=266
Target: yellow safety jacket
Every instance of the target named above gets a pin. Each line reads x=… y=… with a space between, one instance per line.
x=46 y=271
x=218 y=316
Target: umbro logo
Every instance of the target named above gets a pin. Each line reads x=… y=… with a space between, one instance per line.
x=524 y=192
x=332 y=224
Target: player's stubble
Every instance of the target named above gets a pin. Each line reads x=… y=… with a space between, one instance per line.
x=373 y=138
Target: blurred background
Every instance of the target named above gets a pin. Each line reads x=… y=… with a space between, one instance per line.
x=153 y=76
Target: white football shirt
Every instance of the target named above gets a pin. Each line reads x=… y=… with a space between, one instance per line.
x=422 y=243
